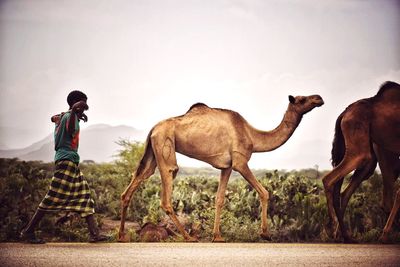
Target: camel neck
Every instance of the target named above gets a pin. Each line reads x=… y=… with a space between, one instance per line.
x=264 y=141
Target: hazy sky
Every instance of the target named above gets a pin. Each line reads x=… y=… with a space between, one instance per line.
x=143 y=61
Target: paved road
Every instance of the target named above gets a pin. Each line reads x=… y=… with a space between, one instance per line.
x=197 y=254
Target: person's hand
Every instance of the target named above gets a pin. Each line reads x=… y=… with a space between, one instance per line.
x=79 y=107
x=83 y=117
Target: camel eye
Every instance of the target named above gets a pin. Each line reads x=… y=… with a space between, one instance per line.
x=302 y=101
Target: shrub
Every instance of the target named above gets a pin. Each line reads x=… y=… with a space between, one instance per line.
x=297 y=209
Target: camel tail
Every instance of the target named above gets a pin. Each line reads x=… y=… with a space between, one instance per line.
x=144 y=170
x=338 y=145
x=147 y=164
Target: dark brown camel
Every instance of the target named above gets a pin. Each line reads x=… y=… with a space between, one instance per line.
x=367 y=132
x=222 y=138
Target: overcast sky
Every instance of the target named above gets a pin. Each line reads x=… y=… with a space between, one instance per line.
x=143 y=61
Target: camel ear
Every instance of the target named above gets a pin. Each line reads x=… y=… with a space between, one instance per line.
x=292 y=99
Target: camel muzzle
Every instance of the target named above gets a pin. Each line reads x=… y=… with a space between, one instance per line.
x=318 y=101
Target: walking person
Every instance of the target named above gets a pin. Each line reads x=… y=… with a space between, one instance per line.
x=69 y=191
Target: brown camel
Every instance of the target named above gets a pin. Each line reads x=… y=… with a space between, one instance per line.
x=367 y=132
x=222 y=138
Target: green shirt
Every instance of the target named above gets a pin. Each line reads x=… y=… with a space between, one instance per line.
x=65 y=144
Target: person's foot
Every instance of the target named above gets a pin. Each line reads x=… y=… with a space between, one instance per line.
x=30 y=238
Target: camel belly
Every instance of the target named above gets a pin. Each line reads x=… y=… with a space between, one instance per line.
x=204 y=141
x=219 y=161
x=204 y=148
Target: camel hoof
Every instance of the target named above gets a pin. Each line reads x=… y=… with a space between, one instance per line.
x=124 y=238
x=192 y=239
x=266 y=236
x=218 y=239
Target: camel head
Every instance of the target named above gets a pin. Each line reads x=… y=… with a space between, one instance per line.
x=304 y=104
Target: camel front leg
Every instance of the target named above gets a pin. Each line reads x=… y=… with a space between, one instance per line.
x=245 y=171
x=225 y=173
x=332 y=223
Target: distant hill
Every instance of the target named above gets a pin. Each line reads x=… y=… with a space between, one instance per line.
x=97 y=142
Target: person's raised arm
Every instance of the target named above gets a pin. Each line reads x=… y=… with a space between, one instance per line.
x=76 y=113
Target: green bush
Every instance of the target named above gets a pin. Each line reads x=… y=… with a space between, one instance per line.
x=297 y=206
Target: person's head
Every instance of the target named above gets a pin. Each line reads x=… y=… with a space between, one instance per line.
x=75 y=96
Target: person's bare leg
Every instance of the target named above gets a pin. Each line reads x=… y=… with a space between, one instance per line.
x=28 y=233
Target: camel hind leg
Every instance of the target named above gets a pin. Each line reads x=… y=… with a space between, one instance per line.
x=389 y=164
x=358 y=177
x=164 y=150
x=357 y=155
x=388 y=227
x=360 y=174
x=332 y=191
x=225 y=173
x=145 y=169
x=332 y=223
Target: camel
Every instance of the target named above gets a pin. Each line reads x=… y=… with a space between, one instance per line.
x=367 y=132
x=219 y=137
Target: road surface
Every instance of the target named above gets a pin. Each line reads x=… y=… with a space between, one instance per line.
x=197 y=254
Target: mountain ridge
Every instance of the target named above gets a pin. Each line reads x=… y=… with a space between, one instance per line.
x=97 y=143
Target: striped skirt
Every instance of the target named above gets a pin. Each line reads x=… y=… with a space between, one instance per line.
x=68 y=191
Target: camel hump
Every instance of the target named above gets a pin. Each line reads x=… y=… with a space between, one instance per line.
x=197 y=105
x=362 y=104
x=386 y=86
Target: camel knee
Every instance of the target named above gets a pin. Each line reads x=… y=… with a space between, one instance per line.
x=125 y=198
x=327 y=185
x=363 y=159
